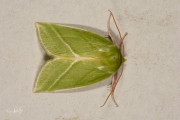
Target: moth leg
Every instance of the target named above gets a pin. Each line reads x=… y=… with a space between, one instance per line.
x=121 y=45
x=108 y=37
x=124 y=36
x=110 y=86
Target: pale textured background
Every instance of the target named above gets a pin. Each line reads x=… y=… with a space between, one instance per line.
x=149 y=88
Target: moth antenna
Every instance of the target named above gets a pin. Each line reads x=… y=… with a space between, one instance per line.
x=121 y=46
x=111 y=14
x=112 y=96
x=113 y=84
x=109 y=29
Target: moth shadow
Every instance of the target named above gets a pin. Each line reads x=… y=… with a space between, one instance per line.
x=105 y=82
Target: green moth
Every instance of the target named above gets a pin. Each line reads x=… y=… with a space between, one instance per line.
x=79 y=58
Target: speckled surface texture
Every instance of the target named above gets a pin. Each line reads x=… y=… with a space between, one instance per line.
x=149 y=88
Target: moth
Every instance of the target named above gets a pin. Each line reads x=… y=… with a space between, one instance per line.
x=78 y=58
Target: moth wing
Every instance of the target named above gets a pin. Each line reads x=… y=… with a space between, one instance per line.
x=60 y=74
x=60 y=40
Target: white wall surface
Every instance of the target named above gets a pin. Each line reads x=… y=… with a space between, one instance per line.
x=149 y=88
